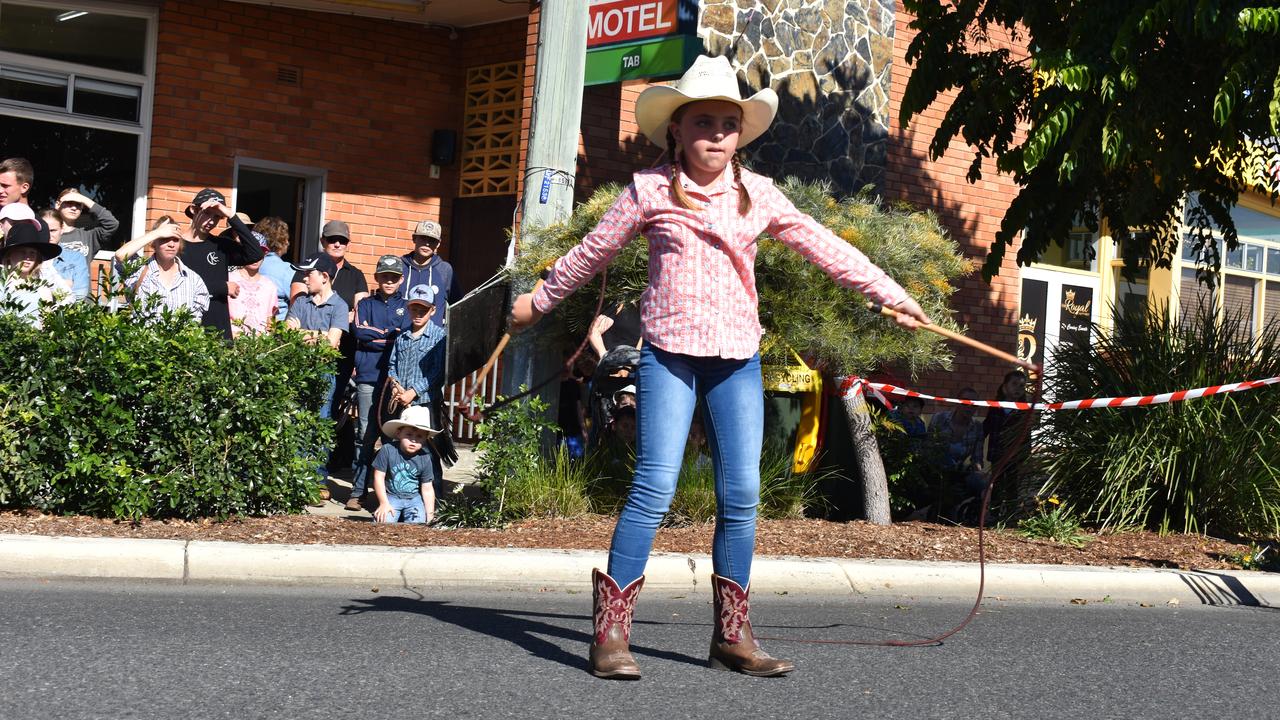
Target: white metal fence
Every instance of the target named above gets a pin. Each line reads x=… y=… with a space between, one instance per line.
x=463 y=429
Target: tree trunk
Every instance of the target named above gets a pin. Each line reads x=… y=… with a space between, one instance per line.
x=875 y=484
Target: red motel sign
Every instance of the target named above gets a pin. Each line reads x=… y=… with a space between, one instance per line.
x=615 y=21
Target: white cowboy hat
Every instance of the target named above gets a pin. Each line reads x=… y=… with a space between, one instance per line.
x=414 y=416
x=709 y=79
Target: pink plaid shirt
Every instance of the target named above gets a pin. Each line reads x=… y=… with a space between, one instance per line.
x=702 y=298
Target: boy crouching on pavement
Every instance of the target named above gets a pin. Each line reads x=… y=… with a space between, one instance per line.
x=402 y=475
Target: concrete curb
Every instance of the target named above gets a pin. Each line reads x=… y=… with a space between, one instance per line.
x=32 y=556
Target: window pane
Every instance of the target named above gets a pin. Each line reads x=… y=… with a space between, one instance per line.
x=33 y=87
x=1188 y=249
x=1194 y=298
x=88 y=38
x=1235 y=258
x=1272 y=304
x=106 y=99
x=1273 y=261
x=1253 y=258
x=1238 y=301
x=100 y=163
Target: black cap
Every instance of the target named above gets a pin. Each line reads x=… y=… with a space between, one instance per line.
x=204 y=196
x=321 y=262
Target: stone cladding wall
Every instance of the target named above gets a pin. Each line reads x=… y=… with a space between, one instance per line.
x=829 y=61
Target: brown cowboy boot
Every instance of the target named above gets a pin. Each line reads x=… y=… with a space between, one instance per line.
x=614 y=606
x=732 y=645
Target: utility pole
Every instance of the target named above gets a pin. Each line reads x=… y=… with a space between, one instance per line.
x=550 y=164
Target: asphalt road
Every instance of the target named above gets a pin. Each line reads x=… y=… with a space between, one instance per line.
x=124 y=650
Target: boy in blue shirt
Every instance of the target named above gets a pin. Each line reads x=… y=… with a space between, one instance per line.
x=379 y=319
x=416 y=365
x=402 y=475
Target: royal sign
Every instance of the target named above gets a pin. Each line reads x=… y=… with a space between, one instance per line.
x=615 y=21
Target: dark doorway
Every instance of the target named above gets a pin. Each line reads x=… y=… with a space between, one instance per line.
x=478 y=239
x=261 y=194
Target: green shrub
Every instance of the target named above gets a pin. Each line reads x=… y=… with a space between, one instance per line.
x=783 y=493
x=517 y=479
x=117 y=417
x=558 y=486
x=1054 y=521
x=1208 y=465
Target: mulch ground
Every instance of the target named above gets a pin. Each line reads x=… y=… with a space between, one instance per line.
x=800 y=538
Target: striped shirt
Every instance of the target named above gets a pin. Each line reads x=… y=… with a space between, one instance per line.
x=188 y=289
x=702 y=298
x=417 y=362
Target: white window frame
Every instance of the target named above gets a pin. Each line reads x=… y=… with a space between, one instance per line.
x=142 y=128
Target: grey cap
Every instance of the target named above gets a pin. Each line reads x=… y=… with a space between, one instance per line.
x=421 y=294
x=335 y=228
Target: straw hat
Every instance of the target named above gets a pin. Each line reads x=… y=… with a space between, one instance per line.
x=709 y=79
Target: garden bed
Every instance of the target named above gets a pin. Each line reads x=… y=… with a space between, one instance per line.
x=803 y=538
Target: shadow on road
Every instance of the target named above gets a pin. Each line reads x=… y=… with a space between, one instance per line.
x=519 y=627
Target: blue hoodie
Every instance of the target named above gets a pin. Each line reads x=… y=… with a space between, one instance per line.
x=437 y=274
x=377 y=324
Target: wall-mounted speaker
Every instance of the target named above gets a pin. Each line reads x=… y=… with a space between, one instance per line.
x=444 y=146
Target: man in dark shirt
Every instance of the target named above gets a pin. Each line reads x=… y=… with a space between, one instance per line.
x=350 y=283
x=210 y=256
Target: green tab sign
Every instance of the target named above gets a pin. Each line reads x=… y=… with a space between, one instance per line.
x=668 y=57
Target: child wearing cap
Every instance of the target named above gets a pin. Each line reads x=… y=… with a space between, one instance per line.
x=424 y=266
x=320 y=313
x=379 y=320
x=701 y=215
x=253 y=307
x=402 y=471
x=416 y=365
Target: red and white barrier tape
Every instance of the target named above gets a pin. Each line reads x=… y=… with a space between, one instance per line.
x=856 y=384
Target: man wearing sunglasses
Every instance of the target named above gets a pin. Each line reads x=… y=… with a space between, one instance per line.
x=350 y=283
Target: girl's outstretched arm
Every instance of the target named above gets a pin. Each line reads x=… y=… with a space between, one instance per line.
x=618 y=226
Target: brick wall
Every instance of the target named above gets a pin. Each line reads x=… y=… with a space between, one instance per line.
x=611 y=147
x=971 y=213
x=371 y=93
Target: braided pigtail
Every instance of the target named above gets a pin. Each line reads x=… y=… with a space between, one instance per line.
x=744 y=199
x=677 y=188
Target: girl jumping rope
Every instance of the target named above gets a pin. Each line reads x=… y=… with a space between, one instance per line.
x=701 y=215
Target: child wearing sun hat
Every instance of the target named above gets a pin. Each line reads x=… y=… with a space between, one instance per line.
x=701 y=215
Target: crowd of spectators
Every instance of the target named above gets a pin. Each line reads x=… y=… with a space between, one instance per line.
x=233 y=278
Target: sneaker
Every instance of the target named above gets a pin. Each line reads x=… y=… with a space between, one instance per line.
x=353 y=503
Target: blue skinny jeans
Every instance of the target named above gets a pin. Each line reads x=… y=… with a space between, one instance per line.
x=668 y=388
